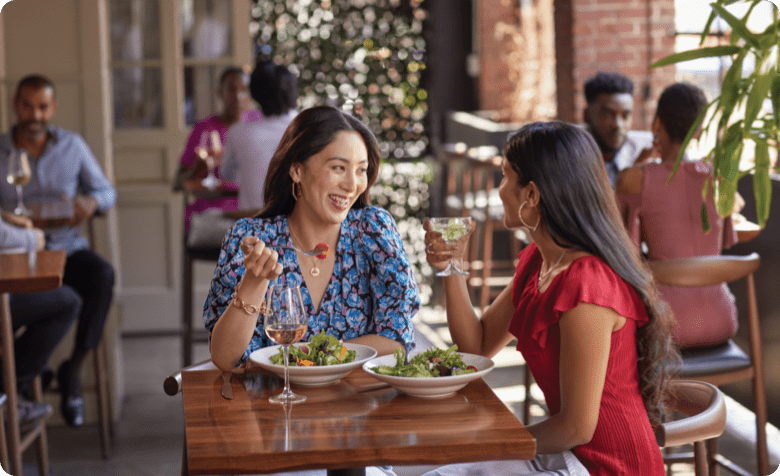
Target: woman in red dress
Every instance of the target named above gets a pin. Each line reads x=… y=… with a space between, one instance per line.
x=583 y=308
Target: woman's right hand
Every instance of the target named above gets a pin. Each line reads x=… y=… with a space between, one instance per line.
x=259 y=261
x=438 y=252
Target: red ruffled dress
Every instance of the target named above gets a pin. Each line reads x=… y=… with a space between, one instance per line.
x=623 y=442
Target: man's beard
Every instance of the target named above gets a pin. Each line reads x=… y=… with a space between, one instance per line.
x=31 y=133
x=605 y=149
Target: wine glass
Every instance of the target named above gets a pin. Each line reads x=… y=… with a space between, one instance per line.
x=285 y=323
x=451 y=229
x=208 y=149
x=19 y=174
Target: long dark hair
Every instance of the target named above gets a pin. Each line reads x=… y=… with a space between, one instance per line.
x=310 y=132
x=580 y=211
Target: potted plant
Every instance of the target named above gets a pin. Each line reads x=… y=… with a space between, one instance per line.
x=739 y=116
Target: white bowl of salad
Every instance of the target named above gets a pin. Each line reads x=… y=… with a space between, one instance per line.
x=434 y=373
x=321 y=361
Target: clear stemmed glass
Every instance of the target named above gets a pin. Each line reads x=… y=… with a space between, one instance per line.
x=19 y=174
x=451 y=229
x=208 y=149
x=285 y=323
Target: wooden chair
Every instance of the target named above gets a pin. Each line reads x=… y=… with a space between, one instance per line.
x=473 y=176
x=725 y=363
x=705 y=410
x=19 y=442
x=100 y=362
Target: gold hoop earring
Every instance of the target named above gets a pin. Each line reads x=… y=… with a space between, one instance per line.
x=520 y=214
x=294 y=191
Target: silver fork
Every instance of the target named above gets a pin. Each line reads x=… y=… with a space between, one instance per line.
x=313 y=252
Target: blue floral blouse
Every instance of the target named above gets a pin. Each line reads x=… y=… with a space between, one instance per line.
x=372 y=290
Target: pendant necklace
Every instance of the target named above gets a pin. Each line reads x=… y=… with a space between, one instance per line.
x=315 y=270
x=544 y=274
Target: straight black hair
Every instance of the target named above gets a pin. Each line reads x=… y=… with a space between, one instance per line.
x=579 y=208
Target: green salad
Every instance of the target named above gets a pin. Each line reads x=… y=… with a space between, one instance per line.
x=323 y=349
x=433 y=362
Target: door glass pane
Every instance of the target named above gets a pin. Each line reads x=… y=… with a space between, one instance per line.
x=206 y=28
x=135 y=29
x=137 y=97
x=200 y=92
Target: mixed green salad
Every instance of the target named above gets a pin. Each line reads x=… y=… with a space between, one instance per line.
x=434 y=362
x=323 y=349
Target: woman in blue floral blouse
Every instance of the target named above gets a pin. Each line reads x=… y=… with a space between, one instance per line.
x=316 y=191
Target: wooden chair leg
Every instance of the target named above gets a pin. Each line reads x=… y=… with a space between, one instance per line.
x=186 y=305
x=41 y=440
x=699 y=459
x=759 y=391
x=9 y=382
x=527 y=403
x=103 y=398
x=712 y=450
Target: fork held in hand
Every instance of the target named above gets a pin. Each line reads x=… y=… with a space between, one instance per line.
x=314 y=252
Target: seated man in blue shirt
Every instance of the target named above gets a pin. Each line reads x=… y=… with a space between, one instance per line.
x=46 y=317
x=63 y=166
x=610 y=99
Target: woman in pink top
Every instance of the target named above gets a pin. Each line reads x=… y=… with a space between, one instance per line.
x=668 y=218
x=233 y=92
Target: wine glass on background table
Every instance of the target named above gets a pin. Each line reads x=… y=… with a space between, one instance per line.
x=209 y=148
x=285 y=323
x=451 y=229
x=19 y=174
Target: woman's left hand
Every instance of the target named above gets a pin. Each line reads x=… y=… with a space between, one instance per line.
x=438 y=252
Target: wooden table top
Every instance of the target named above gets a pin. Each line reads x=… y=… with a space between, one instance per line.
x=17 y=277
x=354 y=423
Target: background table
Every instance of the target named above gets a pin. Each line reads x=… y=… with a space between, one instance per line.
x=354 y=423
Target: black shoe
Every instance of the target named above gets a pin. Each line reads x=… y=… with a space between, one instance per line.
x=72 y=404
x=31 y=413
x=73 y=411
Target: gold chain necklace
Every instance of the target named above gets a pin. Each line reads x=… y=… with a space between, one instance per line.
x=314 y=271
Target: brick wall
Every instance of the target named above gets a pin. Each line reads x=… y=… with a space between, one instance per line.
x=590 y=35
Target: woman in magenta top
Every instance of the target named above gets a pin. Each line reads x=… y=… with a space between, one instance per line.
x=666 y=215
x=582 y=307
x=233 y=91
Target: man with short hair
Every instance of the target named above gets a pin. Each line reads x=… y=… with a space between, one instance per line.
x=610 y=105
x=63 y=166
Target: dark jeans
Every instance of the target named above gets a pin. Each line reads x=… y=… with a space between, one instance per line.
x=92 y=278
x=47 y=316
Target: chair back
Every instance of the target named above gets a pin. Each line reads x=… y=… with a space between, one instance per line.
x=705 y=410
x=704 y=270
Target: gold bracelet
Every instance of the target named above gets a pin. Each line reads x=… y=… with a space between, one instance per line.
x=247 y=308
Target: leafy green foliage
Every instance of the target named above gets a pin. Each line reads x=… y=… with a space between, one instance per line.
x=367 y=57
x=740 y=115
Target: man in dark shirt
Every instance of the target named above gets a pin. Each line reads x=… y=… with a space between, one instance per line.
x=610 y=98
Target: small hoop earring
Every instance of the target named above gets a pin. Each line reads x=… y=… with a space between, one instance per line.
x=294 y=191
x=520 y=214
